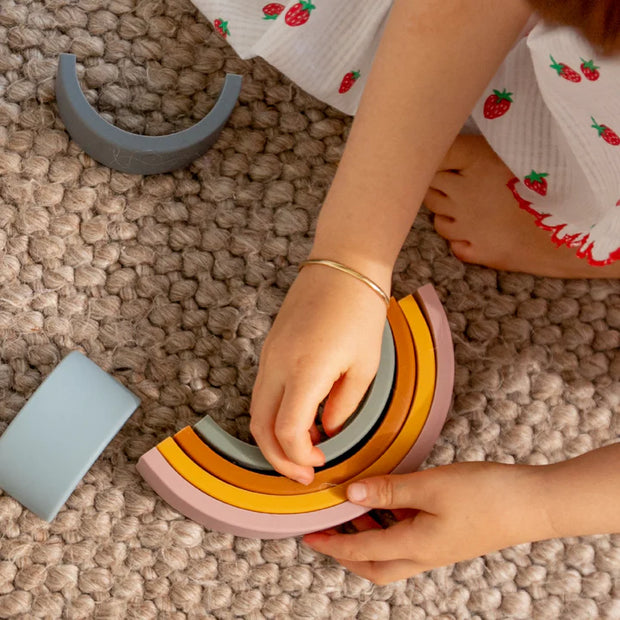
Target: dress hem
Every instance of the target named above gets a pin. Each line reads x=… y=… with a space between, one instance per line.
x=582 y=244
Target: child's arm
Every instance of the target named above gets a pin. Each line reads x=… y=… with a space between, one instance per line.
x=435 y=59
x=468 y=509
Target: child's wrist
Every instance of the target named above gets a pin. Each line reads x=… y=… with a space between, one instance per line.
x=352 y=273
x=580 y=495
x=530 y=491
x=520 y=508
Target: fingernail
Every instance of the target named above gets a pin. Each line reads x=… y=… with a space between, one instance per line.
x=357 y=492
x=304 y=479
x=320 y=461
x=319 y=458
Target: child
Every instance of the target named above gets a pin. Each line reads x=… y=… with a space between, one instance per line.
x=437 y=61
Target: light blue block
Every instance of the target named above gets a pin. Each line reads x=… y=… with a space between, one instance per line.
x=56 y=437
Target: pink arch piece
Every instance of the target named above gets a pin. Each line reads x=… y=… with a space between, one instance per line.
x=217 y=515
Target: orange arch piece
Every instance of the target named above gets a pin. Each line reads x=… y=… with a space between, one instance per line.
x=367 y=454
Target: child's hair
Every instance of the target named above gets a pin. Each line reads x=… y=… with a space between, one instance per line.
x=597 y=20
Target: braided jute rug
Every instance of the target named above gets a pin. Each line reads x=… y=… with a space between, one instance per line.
x=171 y=282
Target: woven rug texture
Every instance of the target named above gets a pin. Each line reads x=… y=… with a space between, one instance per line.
x=171 y=282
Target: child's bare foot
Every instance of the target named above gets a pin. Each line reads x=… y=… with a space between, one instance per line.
x=479 y=216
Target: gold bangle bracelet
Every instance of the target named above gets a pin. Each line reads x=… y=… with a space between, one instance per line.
x=356 y=274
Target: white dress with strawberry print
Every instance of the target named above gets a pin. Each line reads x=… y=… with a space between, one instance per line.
x=552 y=111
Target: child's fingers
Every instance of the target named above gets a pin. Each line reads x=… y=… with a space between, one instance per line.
x=315 y=434
x=400 y=514
x=281 y=463
x=342 y=401
x=296 y=414
x=266 y=399
x=365 y=523
x=416 y=490
x=381 y=569
x=383 y=573
x=393 y=543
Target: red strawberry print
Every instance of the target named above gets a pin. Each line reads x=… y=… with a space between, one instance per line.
x=537 y=182
x=609 y=135
x=272 y=10
x=590 y=70
x=221 y=27
x=497 y=104
x=565 y=71
x=347 y=81
x=299 y=13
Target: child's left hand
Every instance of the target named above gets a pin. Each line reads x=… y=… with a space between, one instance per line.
x=445 y=515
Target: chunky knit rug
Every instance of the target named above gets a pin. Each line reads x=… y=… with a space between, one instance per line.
x=171 y=282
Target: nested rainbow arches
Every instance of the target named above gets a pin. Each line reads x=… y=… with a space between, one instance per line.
x=208 y=486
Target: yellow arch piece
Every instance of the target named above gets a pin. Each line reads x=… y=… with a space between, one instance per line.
x=287 y=504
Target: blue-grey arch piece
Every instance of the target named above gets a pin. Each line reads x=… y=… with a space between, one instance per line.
x=130 y=152
x=363 y=421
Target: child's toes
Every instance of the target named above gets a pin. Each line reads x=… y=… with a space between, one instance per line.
x=438 y=202
x=447 y=227
x=464 y=251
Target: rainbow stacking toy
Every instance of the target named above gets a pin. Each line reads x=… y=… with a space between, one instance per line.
x=225 y=484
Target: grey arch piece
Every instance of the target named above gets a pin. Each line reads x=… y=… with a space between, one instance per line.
x=134 y=153
x=359 y=426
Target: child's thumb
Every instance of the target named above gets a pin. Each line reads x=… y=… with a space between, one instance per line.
x=395 y=491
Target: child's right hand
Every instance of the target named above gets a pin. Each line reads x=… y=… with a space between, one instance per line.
x=326 y=340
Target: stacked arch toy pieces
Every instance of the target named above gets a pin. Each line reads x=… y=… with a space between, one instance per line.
x=216 y=480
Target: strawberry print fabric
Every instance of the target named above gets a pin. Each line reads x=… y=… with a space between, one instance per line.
x=326 y=46
x=557 y=132
x=552 y=111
